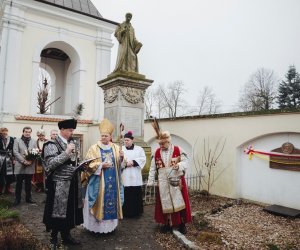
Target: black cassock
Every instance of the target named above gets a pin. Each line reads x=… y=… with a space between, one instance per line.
x=133 y=201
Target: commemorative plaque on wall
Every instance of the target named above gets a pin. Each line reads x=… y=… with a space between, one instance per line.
x=289 y=159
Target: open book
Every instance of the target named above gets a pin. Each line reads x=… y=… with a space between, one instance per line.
x=85 y=162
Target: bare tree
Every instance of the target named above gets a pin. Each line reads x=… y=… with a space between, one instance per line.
x=207 y=103
x=160 y=103
x=154 y=103
x=78 y=110
x=149 y=101
x=44 y=92
x=206 y=161
x=260 y=92
x=167 y=101
x=173 y=98
x=43 y=97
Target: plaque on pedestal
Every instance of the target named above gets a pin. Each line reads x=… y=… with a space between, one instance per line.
x=124 y=103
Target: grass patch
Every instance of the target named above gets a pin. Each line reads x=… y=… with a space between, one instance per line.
x=210 y=237
x=5 y=212
x=271 y=246
x=4 y=203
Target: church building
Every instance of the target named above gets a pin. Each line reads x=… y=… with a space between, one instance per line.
x=68 y=43
x=63 y=47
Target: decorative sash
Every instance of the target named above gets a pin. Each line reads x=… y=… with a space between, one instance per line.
x=170 y=196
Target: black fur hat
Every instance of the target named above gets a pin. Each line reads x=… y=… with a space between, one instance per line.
x=70 y=123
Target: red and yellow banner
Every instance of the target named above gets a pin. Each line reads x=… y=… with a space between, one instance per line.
x=266 y=156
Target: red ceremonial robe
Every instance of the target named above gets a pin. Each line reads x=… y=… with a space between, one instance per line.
x=185 y=215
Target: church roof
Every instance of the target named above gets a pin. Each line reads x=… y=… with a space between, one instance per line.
x=84 y=7
x=48 y=119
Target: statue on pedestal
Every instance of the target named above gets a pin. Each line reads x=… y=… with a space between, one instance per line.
x=128 y=47
x=125 y=87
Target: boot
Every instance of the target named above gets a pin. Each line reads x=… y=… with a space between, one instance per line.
x=53 y=246
x=8 y=189
x=182 y=228
x=53 y=240
x=67 y=239
x=166 y=228
x=1 y=189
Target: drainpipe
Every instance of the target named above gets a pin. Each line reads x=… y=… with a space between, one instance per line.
x=5 y=64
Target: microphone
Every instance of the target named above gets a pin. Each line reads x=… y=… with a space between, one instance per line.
x=72 y=140
x=74 y=150
x=75 y=142
x=73 y=156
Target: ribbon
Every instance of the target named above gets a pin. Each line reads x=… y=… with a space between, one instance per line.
x=250 y=151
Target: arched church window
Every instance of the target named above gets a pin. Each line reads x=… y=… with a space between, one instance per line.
x=55 y=82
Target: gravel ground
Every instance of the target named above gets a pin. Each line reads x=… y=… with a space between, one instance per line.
x=247 y=226
x=222 y=223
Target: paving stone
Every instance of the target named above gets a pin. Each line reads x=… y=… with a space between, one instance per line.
x=130 y=234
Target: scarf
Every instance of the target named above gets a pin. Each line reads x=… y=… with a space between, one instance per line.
x=26 y=140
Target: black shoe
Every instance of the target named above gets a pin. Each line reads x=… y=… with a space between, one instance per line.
x=53 y=246
x=30 y=201
x=16 y=203
x=70 y=241
x=165 y=229
x=182 y=228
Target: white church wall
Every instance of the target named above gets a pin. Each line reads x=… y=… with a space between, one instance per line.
x=257 y=181
x=94 y=134
x=10 y=53
x=58 y=82
x=236 y=130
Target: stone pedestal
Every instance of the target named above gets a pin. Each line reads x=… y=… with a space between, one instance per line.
x=124 y=103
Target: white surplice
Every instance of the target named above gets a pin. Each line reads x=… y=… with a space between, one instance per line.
x=132 y=176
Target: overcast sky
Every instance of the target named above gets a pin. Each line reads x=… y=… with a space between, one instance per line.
x=218 y=43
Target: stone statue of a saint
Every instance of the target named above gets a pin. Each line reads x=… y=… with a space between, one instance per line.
x=128 y=47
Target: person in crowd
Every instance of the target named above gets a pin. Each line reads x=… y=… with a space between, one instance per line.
x=63 y=208
x=134 y=161
x=172 y=206
x=38 y=177
x=102 y=181
x=53 y=134
x=24 y=166
x=7 y=162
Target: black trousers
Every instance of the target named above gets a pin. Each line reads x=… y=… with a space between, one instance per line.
x=20 y=178
x=5 y=179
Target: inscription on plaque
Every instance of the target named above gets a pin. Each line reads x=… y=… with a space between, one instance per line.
x=112 y=114
x=286 y=162
x=132 y=120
